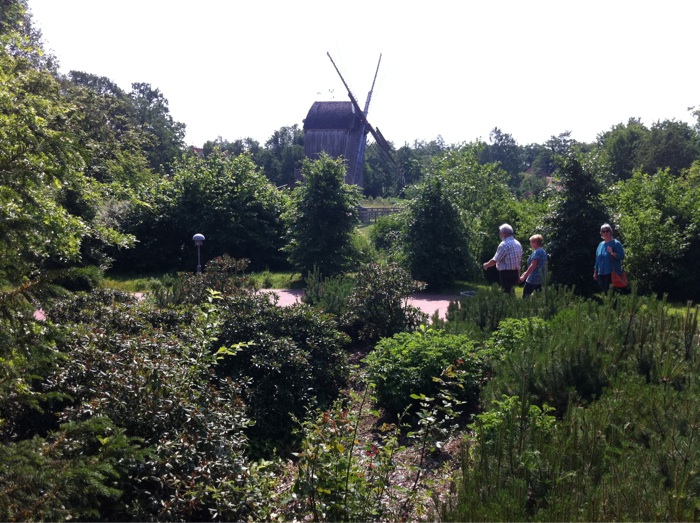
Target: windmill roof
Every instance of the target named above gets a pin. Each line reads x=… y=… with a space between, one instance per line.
x=331 y=115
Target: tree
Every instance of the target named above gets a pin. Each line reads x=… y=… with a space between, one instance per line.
x=504 y=150
x=481 y=194
x=282 y=155
x=165 y=135
x=111 y=144
x=322 y=218
x=225 y=198
x=437 y=239
x=622 y=145
x=669 y=144
x=48 y=207
x=572 y=224
x=659 y=226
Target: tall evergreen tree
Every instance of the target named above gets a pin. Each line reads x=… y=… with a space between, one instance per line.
x=437 y=239
x=322 y=218
x=572 y=225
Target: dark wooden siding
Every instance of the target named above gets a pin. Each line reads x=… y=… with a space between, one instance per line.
x=334 y=128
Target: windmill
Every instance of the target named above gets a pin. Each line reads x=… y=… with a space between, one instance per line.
x=340 y=129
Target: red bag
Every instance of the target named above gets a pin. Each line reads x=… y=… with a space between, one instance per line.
x=619 y=281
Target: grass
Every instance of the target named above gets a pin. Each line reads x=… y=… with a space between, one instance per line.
x=381 y=202
x=127 y=282
x=139 y=282
x=278 y=280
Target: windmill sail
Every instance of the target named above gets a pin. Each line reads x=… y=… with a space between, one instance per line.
x=381 y=141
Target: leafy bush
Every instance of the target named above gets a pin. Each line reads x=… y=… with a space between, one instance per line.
x=630 y=456
x=482 y=313
x=387 y=236
x=342 y=476
x=293 y=360
x=222 y=274
x=81 y=278
x=408 y=364
x=338 y=478
x=161 y=388
x=378 y=306
x=332 y=295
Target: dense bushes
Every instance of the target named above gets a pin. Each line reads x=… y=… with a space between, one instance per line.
x=134 y=423
x=408 y=363
x=292 y=360
x=587 y=417
x=378 y=306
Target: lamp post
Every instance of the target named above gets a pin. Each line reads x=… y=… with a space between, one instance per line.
x=198 y=241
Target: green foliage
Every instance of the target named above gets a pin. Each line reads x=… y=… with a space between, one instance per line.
x=502 y=468
x=283 y=155
x=332 y=295
x=338 y=478
x=81 y=278
x=388 y=237
x=437 y=241
x=342 y=478
x=632 y=455
x=378 y=306
x=223 y=274
x=160 y=387
x=164 y=137
x=504 y=151
x=671 y=145
x=482 y=314
x=480 y=193
x=322 y=218
x=39 y=168
x=293 y=360
x=409 y=364
x=73 y=473
x=572 y=225
x=622 y=145
x=659 y=226
x=226 y=199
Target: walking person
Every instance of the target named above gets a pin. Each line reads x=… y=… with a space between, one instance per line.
x=507 y=259
x=608 y=258
x=536 y=267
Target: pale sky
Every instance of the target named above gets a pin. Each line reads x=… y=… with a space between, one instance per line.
x=456 y=69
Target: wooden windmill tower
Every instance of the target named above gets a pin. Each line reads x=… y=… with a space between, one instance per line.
x=340 y=129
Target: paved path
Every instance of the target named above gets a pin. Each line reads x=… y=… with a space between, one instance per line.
x=428 y=303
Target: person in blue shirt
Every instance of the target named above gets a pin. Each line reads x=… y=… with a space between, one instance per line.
x=536 y=267
x=608 y=258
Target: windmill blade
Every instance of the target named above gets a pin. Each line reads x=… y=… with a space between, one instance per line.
x=371 y=90
x=379 y=138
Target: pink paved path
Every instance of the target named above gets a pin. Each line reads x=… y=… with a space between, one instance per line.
x=428 y=303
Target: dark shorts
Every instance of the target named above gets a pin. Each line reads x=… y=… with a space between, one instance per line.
x=509 y=279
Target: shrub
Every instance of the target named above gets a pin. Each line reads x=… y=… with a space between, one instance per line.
x=630 y=456
x=409 y=363
x=378 y=306
x=487 y=309
x=332 y=295
x=342 y=476
x=80 y=278
x=161 y=388
x=74 y=473
x=293 y=360
x=222 y=274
